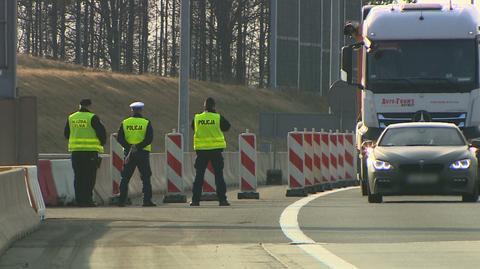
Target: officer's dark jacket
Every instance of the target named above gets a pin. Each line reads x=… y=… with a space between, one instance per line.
x=96 y=125
x=148 y=136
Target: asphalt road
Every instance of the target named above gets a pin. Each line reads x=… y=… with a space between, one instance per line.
x=404 y=232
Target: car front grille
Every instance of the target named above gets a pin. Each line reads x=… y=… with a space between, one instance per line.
x=417 y=168
x=457 y=118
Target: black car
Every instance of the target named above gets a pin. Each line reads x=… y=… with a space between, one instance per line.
x=422 y=158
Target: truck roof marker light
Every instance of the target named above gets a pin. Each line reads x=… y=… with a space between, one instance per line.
x=423 y=6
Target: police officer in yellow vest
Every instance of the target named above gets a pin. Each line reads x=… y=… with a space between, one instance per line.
x=86 y=136
x=136 y=135
x=209 y=142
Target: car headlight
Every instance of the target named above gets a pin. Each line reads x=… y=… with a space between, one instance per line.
x=461 y=164
x=381 y=165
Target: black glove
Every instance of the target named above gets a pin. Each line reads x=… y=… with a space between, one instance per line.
x=99 y=161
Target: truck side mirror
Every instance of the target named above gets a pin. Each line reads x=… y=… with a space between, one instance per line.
x=347 y=62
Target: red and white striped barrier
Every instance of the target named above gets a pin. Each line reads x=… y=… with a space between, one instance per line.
x=333 y=159
x=317 y=161
x=174 y=151
x=56 y=182
x=325 y=164
x=47 y=184
x=296 y=155
x=308 y=161
x=350 y=158
x=116 y=165
x=247 y=146
x=341 y=159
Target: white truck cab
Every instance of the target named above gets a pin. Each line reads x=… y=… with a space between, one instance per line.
x=416 y=62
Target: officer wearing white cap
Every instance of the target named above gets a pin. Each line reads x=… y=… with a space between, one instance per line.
x=86 y=136
x=136 y=135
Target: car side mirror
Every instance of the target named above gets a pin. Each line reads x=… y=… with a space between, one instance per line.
x=475 y=143
x=368 y=146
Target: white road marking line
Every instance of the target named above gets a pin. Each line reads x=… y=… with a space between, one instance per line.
x=289 y=224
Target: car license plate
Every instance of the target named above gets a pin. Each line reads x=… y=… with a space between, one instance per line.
x=422 y=178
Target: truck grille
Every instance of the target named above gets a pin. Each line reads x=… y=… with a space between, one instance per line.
x=457 y=118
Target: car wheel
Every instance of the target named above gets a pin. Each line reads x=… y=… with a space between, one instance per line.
x=471 y=198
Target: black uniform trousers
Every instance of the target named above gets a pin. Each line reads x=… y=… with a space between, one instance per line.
x=201 y=163
x=84 y=165
x=141 y=160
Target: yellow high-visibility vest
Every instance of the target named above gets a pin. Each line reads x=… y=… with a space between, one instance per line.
x=82 y=135
x=208 y=134
x=135 y=130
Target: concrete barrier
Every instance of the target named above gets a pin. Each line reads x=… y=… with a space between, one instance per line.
x=104 y=185
x=34 y=192
x=62 y=172
x=17 y=217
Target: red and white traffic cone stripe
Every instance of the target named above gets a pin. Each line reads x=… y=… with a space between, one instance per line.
x=296 y=155
x=247 y=166
x=350 y=158
x=116 y=165
x=325 y=163
x=174 y=150
x=308 y=161
x=317 y=160
x=341 y=158
x=333 y=159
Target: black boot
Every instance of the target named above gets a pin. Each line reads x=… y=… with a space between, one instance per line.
x=224 y=203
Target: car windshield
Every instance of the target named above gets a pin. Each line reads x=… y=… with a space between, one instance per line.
x=422 y=136
x=422 y=65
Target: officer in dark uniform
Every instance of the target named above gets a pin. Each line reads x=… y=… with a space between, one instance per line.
x=86 y=136
x=136 y=135
x=209 y=143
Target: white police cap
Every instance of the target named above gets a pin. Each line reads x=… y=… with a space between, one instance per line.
x=137 y=105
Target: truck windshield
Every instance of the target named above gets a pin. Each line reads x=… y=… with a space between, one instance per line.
x=422 y=66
